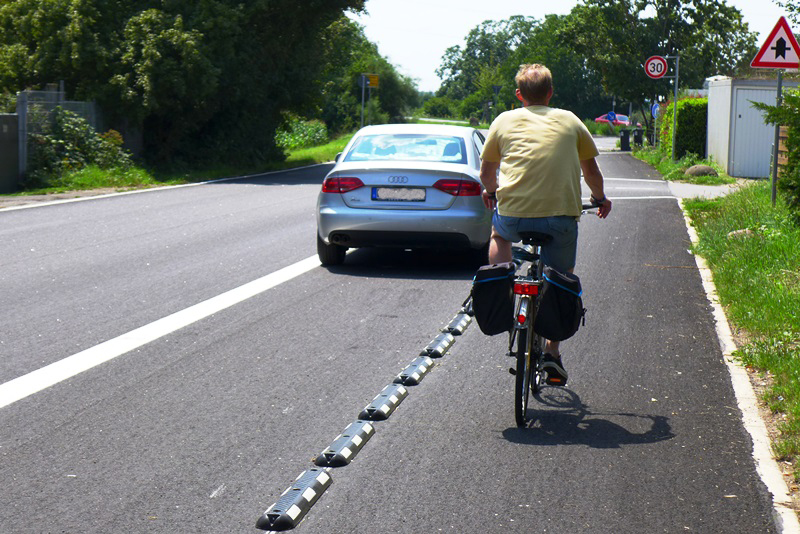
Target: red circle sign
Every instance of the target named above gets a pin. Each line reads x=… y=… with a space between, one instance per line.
x=655 y=66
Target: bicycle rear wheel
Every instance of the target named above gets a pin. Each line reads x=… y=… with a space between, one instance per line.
x=536 y=353
x=522 y=388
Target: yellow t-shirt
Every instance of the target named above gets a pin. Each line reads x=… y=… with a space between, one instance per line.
x=539 y=149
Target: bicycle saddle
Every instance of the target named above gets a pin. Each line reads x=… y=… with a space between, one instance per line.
x=535 y=238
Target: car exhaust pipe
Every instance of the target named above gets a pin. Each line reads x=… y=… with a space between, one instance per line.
x=340 y=238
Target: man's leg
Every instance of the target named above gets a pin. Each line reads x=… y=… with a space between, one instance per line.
x=499 y=249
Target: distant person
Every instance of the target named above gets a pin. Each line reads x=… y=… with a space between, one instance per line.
x=540 y=152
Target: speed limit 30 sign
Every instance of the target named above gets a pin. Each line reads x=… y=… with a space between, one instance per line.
x=655 y=66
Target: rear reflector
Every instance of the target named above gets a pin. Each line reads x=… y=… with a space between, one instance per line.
x=526 y=288
x=459 y=188
x=341 y=184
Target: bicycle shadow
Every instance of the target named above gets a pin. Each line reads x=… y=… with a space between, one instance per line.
x=560 y=418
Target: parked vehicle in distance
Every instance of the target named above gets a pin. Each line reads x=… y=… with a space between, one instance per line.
x=620 y=120
x=404 y=185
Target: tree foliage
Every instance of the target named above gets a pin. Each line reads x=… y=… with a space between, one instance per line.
x=792 y=8
x=346 y=53
x=487 y=46
x=577 y=86
x=788 y=114
x=199 y=78
x=617 y=36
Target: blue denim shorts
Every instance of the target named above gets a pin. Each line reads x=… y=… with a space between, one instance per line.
x=560 y=253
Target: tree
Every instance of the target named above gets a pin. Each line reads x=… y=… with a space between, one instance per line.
x=201 y=79
x=487 y=46
x=617 y=36
x=345 y=54
x=493 y=54
x=792 y=7
x=577 y=86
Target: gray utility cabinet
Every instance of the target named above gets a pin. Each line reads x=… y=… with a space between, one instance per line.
x=738 y=138
x=9 y=153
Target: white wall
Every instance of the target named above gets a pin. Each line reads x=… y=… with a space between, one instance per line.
x=738 y=138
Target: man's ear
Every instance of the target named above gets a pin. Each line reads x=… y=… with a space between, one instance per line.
x=519 y=95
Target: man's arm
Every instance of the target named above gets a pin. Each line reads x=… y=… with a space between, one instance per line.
x=489 y=181
x=594 y=179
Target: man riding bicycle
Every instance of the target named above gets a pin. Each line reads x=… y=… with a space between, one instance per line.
x=540 y=152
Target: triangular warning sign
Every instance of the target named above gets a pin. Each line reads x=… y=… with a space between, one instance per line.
x=780 y=50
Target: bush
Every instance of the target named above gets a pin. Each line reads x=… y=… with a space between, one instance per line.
x=471 y=106
x=440 y=107
x=599 y=128
x=692 y=127
x=68 y=143
x=299 y=133
x=8 y=103
x=789 y=115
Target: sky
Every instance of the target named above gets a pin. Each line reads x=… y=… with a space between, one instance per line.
x=414 y=34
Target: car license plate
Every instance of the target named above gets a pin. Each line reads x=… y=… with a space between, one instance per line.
x=403 y=194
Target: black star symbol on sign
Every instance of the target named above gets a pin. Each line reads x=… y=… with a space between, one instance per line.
x=780 y=48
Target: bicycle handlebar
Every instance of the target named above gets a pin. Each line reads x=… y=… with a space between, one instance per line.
x=586 y=206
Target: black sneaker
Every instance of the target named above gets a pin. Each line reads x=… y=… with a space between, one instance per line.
x=556 y=374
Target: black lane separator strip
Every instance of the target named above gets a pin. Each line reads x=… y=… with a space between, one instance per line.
x=295 y=503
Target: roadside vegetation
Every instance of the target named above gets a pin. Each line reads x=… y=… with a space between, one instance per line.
x=70 y=156
x=753 y=250
x=676 y=170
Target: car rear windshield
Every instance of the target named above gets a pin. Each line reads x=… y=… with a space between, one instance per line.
x=408 y=147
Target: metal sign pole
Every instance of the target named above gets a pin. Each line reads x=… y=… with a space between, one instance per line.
x=363 y=85
x=779 y=101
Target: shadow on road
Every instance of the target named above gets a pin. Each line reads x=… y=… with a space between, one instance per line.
x=422 y=264
x=305 y=175
x=562 y=419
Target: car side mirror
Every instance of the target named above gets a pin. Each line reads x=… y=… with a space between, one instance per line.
x=339 y=155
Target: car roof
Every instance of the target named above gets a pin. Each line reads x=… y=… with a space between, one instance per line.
x=432 y=129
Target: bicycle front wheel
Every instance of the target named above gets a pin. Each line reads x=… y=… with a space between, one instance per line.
x=522 y=387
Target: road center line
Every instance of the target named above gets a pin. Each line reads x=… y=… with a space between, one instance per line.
x=35 y=381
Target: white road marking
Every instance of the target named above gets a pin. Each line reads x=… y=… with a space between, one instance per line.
x=654 y=197
x=766 y=466
x=217 y=492
x=652 y=181
x=35 y=381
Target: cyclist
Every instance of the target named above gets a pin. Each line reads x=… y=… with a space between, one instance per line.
x=540 y=152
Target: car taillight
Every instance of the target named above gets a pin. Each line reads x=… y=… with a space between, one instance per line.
x=459 y=188
x=337 y=184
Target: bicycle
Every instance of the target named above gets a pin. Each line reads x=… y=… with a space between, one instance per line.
x=529 y=348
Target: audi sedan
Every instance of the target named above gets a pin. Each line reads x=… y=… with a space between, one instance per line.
x=407 y=186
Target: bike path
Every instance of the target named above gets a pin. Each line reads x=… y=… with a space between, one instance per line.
x=646 y=437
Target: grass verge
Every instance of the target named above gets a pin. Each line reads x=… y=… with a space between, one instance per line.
x=675 y=170
x=753 y=250
x=92 y=177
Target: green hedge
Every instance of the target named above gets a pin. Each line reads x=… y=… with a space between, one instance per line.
x=692 y=127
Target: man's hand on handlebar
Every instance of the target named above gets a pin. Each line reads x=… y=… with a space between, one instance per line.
x=603 y=207
x=489 y=200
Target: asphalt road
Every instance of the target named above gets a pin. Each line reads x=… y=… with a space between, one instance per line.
x=203 y=428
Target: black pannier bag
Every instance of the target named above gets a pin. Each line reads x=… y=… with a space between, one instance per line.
x=493 y=298
x=560 y=306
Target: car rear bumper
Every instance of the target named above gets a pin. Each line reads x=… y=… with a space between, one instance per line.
x=457 y=228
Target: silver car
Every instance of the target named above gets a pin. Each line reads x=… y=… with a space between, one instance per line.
x=404 y=185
